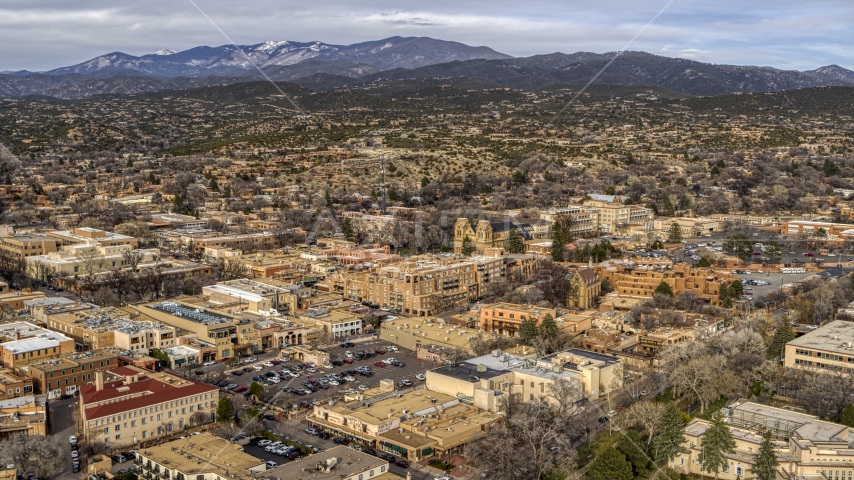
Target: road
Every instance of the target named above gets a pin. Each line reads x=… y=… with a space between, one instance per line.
x=62 y=415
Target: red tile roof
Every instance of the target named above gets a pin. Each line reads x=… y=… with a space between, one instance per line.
x=144 y=392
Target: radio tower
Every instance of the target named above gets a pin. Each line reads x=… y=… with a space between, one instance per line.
x=382 y=184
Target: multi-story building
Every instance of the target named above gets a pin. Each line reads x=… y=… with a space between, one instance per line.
x=404 y=424
x=94 y=328
x=67 y=374
x=584 y=287
x=231 y=335
x=88 y=258
x=338 y=323
x=483 y=380
x=830 y=347
x=810 y=229
x=488 y=234
x=688 y=226
x=85 y=235
x=134 y=405
x=25 y=415
x=24 y=343
x=620 y=219
x=425 y=285
x=206 y=457
x=628 y=281
x=19 y=247
x=583 y=221
x=342 y=462
x=806 y=446
x=251 y=295
x=14 y=385
x=505 y=318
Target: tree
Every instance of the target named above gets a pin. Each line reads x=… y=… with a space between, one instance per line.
x=663 y=288
x=606 y=287
x=738 y=245
x=610 y=465
x=528 y=330
x=629 y=444
x=548 y=328
x=214 y=186
x=224 y=410
x=717 y=443
x=561 y=234
x=674 y=233
x=513 y=243
x=782 y=335
x=671 y=434
x=847 y=415
x=257 y=389
x=773 y=251
x=645 y=414
x=42 y=456
x=704 y=263
x=468 y=246
x=765 y=464
x=347 y=228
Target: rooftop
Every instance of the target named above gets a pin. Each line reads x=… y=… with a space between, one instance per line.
x=346 y=463
x=198 y=315
x=836 y=336
x=204 y=453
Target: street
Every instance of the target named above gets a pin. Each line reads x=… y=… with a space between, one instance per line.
x=62 y=417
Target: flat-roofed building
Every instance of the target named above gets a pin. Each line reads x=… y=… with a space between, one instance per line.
x=201 y=457
x=134 y=405
x=806 y=447
x=86 y=258
x=341 y=463
x=415 y=332
x=505 y=318
x=19 y=246
x=230 y=334
x=830 y=347
x=404 y=424
x=85 y=235
x=25 y=415
x=94 y=328
x=17 y=300
x=175 y=220
x=66 y=374
x=338 y=322
x=14 y=385
x=253 y=296
x=632 y=282
x=24 y=343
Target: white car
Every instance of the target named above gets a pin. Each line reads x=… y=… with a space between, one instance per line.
x=348 y=354
x=391 y=348
x=295 y=375
x=273 y=379
x=329 y=366
x=390 y=360
x=385 y=309
x=350 y=391
x=258 y=367
x=267 y=364
x=264 y=443
x=363 y=387
x=349 y=378
x=334 y=383
x=207 y=364
x=421 y=377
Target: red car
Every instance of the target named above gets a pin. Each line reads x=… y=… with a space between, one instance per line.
x=347 y=360
x=379 y=364
x=809 y=254
x=379 y=352
x=240 y=389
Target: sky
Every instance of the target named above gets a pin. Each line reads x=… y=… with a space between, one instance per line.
x=40 y=35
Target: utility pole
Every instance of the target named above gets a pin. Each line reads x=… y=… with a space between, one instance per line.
x=382 y=184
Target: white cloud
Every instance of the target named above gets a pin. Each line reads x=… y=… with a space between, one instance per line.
x=43 y=34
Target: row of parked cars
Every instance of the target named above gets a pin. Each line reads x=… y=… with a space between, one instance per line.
x=370 y=451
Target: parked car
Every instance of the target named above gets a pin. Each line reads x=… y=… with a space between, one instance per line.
x=387 y=456
x=421 y=376
x=402 y=463
x=311 y=431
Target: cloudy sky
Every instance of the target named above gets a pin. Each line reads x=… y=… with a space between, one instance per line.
x=790 y=34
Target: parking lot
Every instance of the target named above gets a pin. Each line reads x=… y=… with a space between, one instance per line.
x=274 y=391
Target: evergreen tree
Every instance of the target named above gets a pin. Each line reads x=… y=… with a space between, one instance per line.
x=610 y=465
x=548 y=327
x=528 y=330
x=347 y=229
x=782 y=335
x=467 y=247
x=765 y=464
x=224 y=409
x=513 y=243
x=258 y=390
x=214 y=185
x=664 y=289
x=674 y=233
x=557 y=241
x=704 y=263
x=848 y=415
x=736 y=289
x=671 y=434
x=717 y=443
x=629 y=445
x=606 y=287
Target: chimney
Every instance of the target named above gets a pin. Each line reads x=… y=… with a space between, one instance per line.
x=17 y=335
x=99 y=381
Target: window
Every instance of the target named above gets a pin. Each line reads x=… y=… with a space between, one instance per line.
x=118 y=437
x=117 y=428
x=106 y=430
x=739 y=471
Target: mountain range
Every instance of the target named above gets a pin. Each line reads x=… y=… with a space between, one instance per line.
x=322 y=66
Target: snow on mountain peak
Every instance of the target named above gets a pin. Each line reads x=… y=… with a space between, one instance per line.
x=164 y=51
x=270 y=46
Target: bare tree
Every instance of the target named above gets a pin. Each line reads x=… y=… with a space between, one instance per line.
x=42 y=456
x=645 y=414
